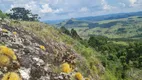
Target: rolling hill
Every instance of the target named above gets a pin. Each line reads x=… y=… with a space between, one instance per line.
x=110 y=16
x=130 y=27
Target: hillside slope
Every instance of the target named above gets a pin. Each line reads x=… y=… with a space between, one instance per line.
x=41 y=50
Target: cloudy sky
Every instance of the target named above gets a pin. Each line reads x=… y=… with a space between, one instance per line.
x=63 y=9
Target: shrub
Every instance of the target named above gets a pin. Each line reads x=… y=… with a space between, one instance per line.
x=42 y=47
x=87 y=79
x=4 y=30
x=78 y=76
x=64 y=30
x=2 y=15
x=66 y=68
x=8 y=52
x=14 y=33
x=11 y=76
x=4 y=60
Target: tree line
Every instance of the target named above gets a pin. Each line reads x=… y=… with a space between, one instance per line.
x=71 y=33
x=122 y=57
x=130 y=56
x=19 y=13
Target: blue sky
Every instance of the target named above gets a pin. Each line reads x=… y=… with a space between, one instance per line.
x=64 y=9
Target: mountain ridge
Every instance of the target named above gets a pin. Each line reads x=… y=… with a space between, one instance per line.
x=100 y=18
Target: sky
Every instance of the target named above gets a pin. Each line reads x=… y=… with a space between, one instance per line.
x=65 y=9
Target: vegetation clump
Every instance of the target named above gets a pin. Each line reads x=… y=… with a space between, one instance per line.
x=71 y=33
x=87 y=79
x=8 y=52
x=78 y=76
x=66 y=31
x=11 y=76
x=74 y=34
x=66 y=68
x=42 y=47
x=14 y=33
x=2 y=15
x=4 y=60
x=4 y=30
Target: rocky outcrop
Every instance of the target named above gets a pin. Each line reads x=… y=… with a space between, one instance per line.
x=34 y=62
x=41 y=50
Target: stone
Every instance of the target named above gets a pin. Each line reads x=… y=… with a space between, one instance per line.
x=16 y=45
x=26 y=42
x=25 y=61
x=25 y=73
x=39 y=61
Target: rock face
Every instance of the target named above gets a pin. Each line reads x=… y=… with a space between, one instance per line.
x=34 y=62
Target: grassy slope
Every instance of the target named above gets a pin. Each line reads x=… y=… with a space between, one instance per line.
x=88 y=55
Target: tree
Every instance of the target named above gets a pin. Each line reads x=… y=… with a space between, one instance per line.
x=123 y=59
x=140 y=61
x=97 y=41
x=74 y=34
x=22 y=14
x=2 y=15
x=64 y=30
x=92 y=41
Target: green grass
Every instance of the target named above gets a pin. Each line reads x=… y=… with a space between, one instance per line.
x=121 y=43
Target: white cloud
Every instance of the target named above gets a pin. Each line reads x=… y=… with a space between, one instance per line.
x=105 y=5
x=122 y=4
x=58 y=9
x=54 y=1
x=84 y=9
x=32 y=5
x=132 y=2
x=46 y=9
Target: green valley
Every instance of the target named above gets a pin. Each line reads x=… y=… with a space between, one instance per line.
x=117 y=28
x=118 y=42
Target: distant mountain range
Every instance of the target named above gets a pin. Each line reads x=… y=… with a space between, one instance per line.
x=53 y=21
x=100 y=18
x=111 y=16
